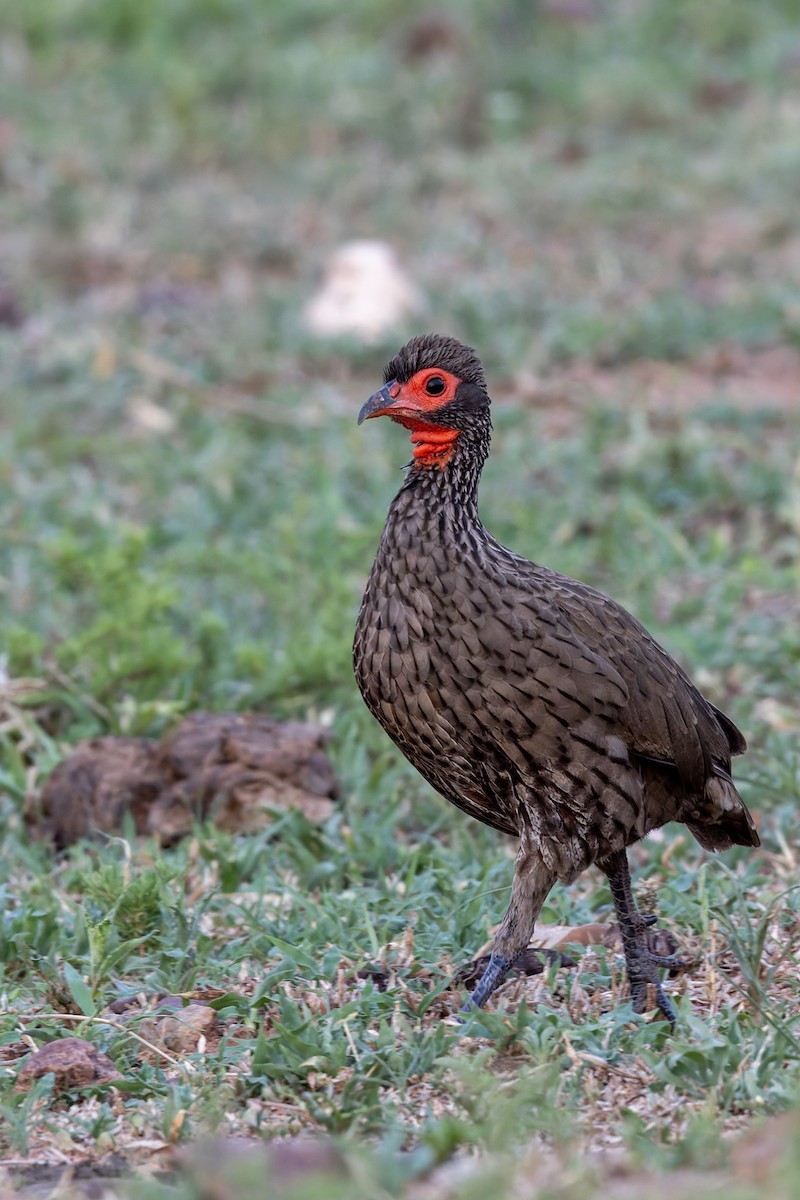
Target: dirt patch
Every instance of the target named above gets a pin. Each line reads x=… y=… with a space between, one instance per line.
x=766 y=379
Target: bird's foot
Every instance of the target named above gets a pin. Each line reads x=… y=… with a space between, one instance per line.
x=531 y=961
x=647 y=994
x=647 y=954
x=647 y=991
x=496 y=971
x=667 y=962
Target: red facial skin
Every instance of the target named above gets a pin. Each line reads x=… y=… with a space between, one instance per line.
x=413 y=408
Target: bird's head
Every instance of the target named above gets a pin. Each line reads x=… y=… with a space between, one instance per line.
x=436 y=387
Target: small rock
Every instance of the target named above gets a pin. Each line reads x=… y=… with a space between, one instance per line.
x=181 y=1031
x=74 y=1062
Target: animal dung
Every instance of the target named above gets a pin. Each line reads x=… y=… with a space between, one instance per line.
x=235 y=769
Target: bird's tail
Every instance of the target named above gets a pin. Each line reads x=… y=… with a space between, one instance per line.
x=725 y=820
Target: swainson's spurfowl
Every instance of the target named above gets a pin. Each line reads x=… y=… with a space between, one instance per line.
x=532 y=701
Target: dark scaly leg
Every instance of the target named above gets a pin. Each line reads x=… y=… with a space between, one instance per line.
x=642 y=965
x=532 y=882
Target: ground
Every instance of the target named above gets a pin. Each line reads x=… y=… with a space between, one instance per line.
x=596 y=196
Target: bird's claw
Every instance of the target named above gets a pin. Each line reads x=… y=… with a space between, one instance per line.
x=668 y=962
x=642 y=1003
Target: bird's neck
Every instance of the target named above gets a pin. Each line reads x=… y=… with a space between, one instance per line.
x=437 y=504
x=436 y=489
x=450 y=480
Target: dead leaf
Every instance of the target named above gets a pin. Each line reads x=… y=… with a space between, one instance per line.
x=660 y=941
x=176 y=1125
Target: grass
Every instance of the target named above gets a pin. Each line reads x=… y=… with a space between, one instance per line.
x=598 y=205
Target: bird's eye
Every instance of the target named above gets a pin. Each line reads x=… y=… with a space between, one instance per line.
x=435 y=385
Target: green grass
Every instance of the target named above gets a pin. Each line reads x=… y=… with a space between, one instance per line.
x=579 y=200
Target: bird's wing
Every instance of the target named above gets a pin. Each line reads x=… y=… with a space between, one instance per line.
x=582 y=654
x=665 y=719
x=522 y=678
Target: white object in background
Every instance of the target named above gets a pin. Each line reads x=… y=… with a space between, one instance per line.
x=365 y=293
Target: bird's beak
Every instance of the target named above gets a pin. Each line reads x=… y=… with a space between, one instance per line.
x=380 y=402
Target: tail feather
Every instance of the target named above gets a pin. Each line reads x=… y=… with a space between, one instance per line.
x=724 y=818
x=736 y=739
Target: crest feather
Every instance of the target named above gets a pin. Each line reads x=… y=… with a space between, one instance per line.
x=436 y=350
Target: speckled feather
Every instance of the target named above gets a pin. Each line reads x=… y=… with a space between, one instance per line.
x=528 y=699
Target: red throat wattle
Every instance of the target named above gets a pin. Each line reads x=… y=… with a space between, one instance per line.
x=433 y=444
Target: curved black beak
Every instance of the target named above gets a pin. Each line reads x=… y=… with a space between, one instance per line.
x=379 y=402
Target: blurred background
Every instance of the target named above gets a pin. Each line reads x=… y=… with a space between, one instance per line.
x=218 y=220
x=599 y=195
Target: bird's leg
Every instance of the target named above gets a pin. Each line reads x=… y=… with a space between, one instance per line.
x=532 y=882
x=642 y=965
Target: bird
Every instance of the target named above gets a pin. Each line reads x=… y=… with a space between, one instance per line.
x=532 y=701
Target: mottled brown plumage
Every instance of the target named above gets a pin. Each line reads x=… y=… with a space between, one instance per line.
x=533 y=702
